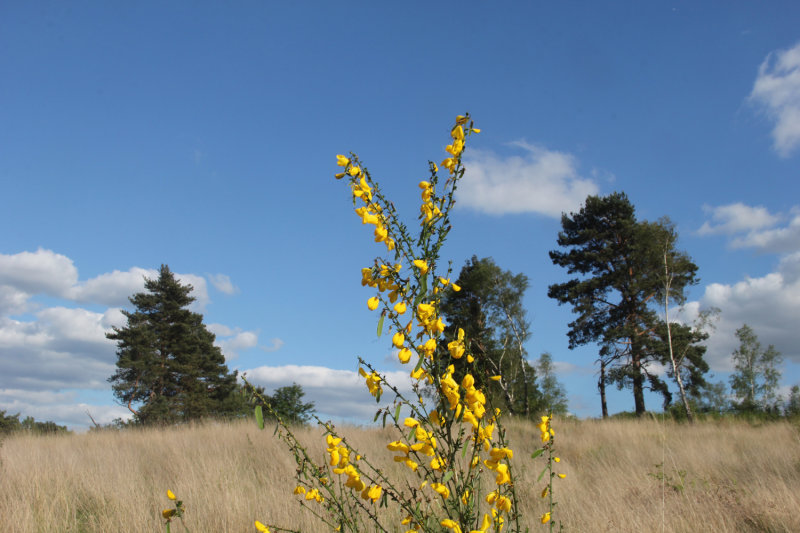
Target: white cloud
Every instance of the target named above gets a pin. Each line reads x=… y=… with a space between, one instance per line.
x=234 y=340
x=540 y=181
x=769 y=304
x=39 y=272
x=736 y=218
x=339 y=394
x=754 y=227
x=783 y=239
x=223 y=283
x=112 y=288
x=777 y=91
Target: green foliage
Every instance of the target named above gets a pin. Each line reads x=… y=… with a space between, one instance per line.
x=755 y=381
x=620 y=266
x=489 y=309
x=12 y=423
x=286 y=403
x=168 y=369
x=553 y=394
x=792 y=406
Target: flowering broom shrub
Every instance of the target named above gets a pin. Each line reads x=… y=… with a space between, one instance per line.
x=445 y=443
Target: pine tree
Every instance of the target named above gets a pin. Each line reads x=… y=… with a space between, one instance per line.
x=621 y=263
x=168 y=369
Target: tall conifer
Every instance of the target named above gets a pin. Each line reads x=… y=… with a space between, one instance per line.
x=168 y=369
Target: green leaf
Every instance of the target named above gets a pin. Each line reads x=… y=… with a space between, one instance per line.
x=380 y=324
x=537 y=453
x=259 y=417
x=541 y=475
x=463 y=452
x=377 y=414
x=384 y=418
x=397 y=411
x=447 y=476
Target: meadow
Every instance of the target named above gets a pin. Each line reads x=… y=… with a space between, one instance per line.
x=622 y=476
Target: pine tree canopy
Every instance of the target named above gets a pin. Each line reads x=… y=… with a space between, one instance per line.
x=168 y=369
x=620 y=282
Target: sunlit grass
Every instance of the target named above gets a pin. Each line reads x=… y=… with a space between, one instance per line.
x=736 y=477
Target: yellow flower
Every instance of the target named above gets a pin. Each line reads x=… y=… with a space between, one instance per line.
x=372 y=303
x=502 y=475
x=168 y=513
x=546 y=517
x=562 y=476
x=354 y=171
x=496 y=378
x=400 y=308
x=339 y=176
x=421 y=265
x=170 y=495
x=424 y=185
x=261 y=527
x=451 y=524
x=476 y=130
x=300 y=489
x=503 y=504
x=342 y=161
x=398 y=339
x=404 y=355
x=455 y=287
x=557 y=459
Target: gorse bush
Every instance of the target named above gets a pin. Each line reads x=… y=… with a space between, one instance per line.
x=455 y=468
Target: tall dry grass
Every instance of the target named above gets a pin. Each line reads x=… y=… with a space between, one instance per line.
x=714 y=476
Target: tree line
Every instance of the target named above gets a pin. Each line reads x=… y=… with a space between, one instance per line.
x=625 y=276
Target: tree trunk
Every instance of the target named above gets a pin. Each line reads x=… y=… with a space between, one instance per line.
x=601 y=384
x=675 y=369
x=638 y=379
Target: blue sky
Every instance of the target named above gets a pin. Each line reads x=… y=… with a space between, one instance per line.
x=204 y=136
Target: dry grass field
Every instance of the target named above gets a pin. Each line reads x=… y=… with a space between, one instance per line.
x=622 y=476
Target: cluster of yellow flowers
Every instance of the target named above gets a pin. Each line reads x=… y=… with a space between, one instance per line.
x=340 y=459
x=370 y=212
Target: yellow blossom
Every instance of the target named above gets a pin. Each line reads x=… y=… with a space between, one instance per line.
x=421 y=265
x=400 y=308
x=562 y=476
x=455 y=287
x=546 y=517
x=299 y=489
x=404 y=355
x=342 y=161
x=168 y=514
x=451 y=524
x=544 y=492
x=170 y=495
x=496 y=378
x=557 y=459
x=261 y=527
x=354 y=171
x=398 y=339
x=372 y=303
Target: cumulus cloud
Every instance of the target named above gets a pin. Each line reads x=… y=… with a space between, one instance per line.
x=539 y=181
x=233 y=340
x=736 y=218
x=223 y=283
x=777 y=91
x=769 y=304
x=339 y=394
x=754 y=227
x=112 y=288
x=39 y=272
